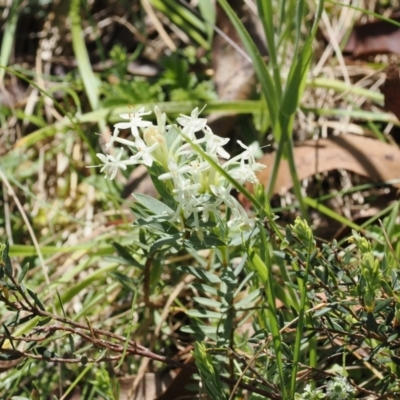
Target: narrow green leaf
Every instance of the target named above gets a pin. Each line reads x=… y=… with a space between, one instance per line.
x=381 y=305
x=248 y=300
x=8 y=36
x=36 y=299
x=124 y=253
x=207 y=302
x=207 y=10
x=201 y=274
x=173 y=240
x=203 y=329
x=155 y=206
x=267 y=15
x=183 y=18
x=204 y=314
x=267 y=84
x=25 y=268
x=90 y=81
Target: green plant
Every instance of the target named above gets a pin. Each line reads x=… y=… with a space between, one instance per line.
x=266 y=305
x=269 y=312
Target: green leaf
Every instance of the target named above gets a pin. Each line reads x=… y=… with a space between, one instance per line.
x=210 y=240
x=208 y=12
x=124 y=253
x=45 y=352
x=155 y=206
x=10 y=354
x=204 y=314
x=6 y=260
x=207 y=302
x=249 y=299
x=171 y=137
x=200 y=329
x=204 y=288
x=125 y=281
x=27 y=265
x=321 y=312
x=183 y=18
x=84 y=349
x=8 y=35
x=201 y=274
x=161 y=186
x=36 y=299
x=172 y=240
x=209 y=375
x=20 y=321
x=381 y=305
x=84 y=65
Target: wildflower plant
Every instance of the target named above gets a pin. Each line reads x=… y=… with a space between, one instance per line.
x=337 y=388
x=266 y=310
x=340 y=389
x=181 y=160
x=195 y=175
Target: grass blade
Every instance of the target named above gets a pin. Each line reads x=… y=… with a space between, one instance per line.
x=266 y=81
x=8 y=37
x=89 y=80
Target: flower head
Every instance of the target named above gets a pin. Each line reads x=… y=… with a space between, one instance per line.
x=310 y=394
x=175 y=171
x=143 y=152
x=192 y=124
x=214 y=144
x=135 y=121
x=195 y=185
x=111 y=164
x=339 y=389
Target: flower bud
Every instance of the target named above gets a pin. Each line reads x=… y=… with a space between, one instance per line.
x=151 y=135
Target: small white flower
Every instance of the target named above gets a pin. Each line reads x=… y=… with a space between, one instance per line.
x=192 y=124
x=257 y=167
x=135 y=121
x=214 y=146
x=112 y=138
x=151 y=136
x=196 y=168
x=339 y=389
x=185 y=195
x=143 y=152
x=248 y=155
x=246 y=172
x=240 y=218
x=310 y=394
x=207 y=208
x=223 y=196
x=116 y=138
x=111 y=164
x=175 y=171
x=243 y=174
x=250 y=151
x=161 y=120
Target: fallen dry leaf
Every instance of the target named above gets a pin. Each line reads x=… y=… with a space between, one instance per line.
x=150 y=387
x=367 y=157
x=157 y=386
x=391 y=90
x=374 y=37
x=234 y=74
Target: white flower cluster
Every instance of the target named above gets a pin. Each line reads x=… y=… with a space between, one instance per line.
x=310 y=394
x=197 y=188
x=339 y=389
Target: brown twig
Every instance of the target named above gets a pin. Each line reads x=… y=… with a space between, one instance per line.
x=93 y=336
